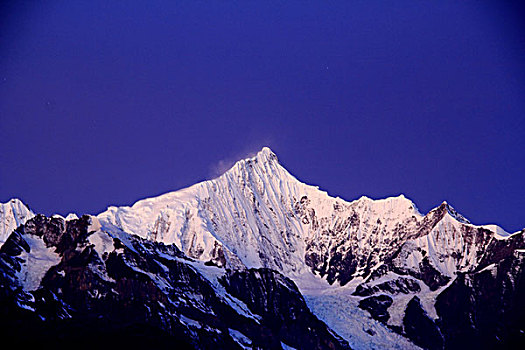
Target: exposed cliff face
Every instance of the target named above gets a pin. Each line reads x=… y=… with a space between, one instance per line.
x=486 y=306
x=224 y=240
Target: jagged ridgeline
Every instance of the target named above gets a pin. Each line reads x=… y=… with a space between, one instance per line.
x=257 y=259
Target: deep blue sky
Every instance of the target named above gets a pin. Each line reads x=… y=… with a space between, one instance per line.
x=105 y=102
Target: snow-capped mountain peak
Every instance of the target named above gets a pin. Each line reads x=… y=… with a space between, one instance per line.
x=12 y=214
x=265 y=161
x=452 y=212
x=266 y=154
x=259 y=215
x=231 y=219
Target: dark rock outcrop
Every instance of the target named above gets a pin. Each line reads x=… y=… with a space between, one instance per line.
x=399 y=285
x=377 y=306
x=420 y=328
x=485 y=309
x=277 y=299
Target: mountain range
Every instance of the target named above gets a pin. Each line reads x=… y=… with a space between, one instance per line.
x=257 y=259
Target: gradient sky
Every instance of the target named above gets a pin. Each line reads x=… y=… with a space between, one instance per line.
x=105 y=102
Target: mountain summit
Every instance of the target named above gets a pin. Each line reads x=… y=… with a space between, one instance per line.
x=373 y=272
x=258 y=215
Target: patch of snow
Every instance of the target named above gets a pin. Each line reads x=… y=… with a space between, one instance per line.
x=240 y=339
x=492 y=268
x=70 y=216
x=94 y=224
x=499 y=233
x=398 y=308
x=428 y=298
x=102 y=241
x=25 y=306
x=286 y=347
x=36 y=263
x=189 y=322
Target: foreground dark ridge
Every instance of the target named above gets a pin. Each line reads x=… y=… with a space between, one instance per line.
x=142 y=290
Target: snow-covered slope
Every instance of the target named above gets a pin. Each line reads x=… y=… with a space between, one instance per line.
x=246 y=217
x=12 y=214
x=258 y=215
